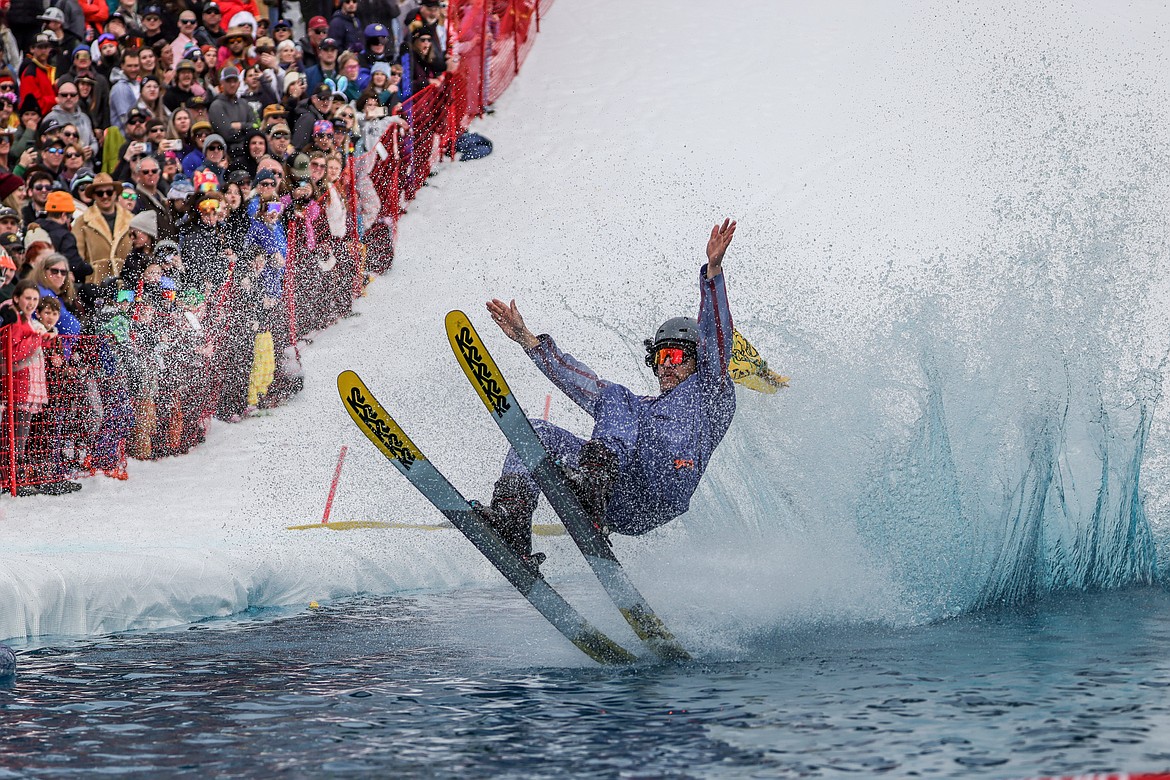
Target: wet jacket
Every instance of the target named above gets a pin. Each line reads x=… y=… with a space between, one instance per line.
x=663 y=443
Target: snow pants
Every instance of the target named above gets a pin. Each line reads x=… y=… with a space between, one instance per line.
x=617 y=430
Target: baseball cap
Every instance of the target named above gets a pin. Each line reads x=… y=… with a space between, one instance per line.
x=202 y=124
x=208 y=7
x=276 y=109
x=230 y=72
x=322 y=126
x=377 y=31
x=197 y=101
x=7 y=212
x=136 y=113
x=323 y=91
x=10 y=241
x=152 y=10
x=279 y=127
x=330 y=43
x=318 y=23
x=266 y=175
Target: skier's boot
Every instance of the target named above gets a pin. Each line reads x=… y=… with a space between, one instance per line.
x=593 y=480
x=510 y=514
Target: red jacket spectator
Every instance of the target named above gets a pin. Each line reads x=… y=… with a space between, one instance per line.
x=37 y=76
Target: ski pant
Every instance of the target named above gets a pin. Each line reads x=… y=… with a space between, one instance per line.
x=615 y=431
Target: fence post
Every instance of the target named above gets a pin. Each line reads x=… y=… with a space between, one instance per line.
x=483 y=58
x=537 y=3
x=9 y=411
x=515 y=39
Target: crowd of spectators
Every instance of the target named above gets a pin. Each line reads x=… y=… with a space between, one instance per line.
x=155 y=164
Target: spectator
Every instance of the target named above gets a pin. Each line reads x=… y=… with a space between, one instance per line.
x=230 y=116
x=206 y=255
x=233 y=50
x=179 y=129
x=39 y=182
x=135 y=144
x=73 y=165
x=128 y=199
x=68 y=111
x=278 y=143
x=346 y=28
x=80 y=200
x=103 y=231
x=7 y=275
x=147 y=173
x=57 y=223
x=209 y=31
x=287 y=58
x=149 y=64
x=184 y=88
x=36 y=74
x=310 y=45
x=29 y=393
x=320 y=107
x=351 y=81
x=215 y=157
x=194 y=159
x=427 y=21
x=379 y=47
x=152 y=26
x=150 y=99
x=425 y=68
x=94 y=100
x=46 y=439
x=126 y=88
x=143 y=235
x=326 y=67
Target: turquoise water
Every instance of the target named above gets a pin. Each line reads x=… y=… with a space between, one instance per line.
x=429 y=686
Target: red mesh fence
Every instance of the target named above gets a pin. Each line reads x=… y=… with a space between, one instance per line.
x=148 y=375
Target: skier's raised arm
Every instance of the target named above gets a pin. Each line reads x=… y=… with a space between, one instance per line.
x=715 y=327
x=571 y=376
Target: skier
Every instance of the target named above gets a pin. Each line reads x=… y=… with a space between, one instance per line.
x=646 y=454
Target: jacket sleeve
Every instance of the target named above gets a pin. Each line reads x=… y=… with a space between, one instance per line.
x=715 y=332
x=571 y=376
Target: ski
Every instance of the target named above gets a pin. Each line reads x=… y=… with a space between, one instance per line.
x=381 y=429
x=485 y=377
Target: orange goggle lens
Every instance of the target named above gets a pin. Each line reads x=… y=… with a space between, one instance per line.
x=670 y=356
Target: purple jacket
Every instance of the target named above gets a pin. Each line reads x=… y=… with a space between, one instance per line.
x=663 y=443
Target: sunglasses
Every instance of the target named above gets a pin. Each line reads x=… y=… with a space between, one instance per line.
x=42 y=187
x=72 y=155
x=66 y=94
x=186 y=21
x=215 y=148
x=104 y=193
x=322 y=135
x=129 y=196
x=54 y=150
x=280 y=135
x=57 y=272
x=316 y=165
x=70 y=135
x=266 y=183
x=151 y=172
x=670 y=356
x=136 y=120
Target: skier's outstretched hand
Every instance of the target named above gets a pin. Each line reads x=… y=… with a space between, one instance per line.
x=721 y=236
x=507 y=316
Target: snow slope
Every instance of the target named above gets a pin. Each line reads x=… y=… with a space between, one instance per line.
x=977 y=187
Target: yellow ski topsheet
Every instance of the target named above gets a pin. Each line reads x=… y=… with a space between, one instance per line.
x=749 y=369
x=477 y=363
x=378 y=426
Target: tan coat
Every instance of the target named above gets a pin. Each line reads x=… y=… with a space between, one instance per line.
x=103 y=251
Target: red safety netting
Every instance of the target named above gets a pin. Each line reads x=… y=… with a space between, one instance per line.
x=152 y=373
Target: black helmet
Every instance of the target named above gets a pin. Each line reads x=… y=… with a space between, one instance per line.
x=675 y=332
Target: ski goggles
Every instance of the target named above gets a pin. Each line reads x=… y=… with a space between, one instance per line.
x=670 y=356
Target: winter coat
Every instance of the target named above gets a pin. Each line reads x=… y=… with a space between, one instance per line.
x=66 y=243
x=97 y=12
x=105 y=252
x=79 y=118
x=37 y=80
x=224 y=111
x=124 y=95
x=664 y=443
x=347 y=31
x=203 y=254
x=26 y=350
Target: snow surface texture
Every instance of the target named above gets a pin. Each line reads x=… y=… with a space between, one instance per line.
x=952 y=236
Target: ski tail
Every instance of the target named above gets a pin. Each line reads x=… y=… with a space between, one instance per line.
x=487 y=379
x=381 y=429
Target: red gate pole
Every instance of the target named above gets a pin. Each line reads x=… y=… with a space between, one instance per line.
x=10 y=411
x=333 y=486
x=537 y=15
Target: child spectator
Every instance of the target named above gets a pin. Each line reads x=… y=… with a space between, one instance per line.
x=46 y=437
